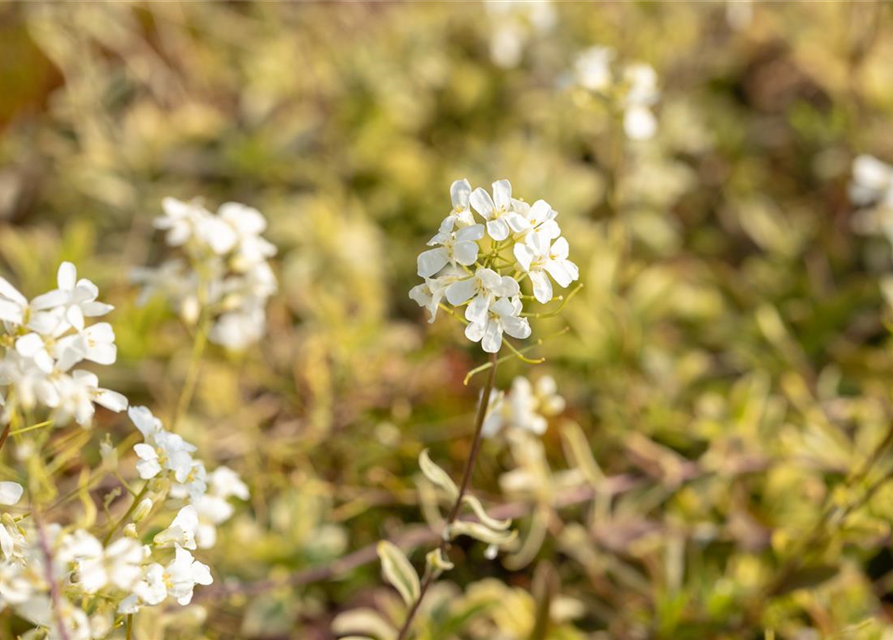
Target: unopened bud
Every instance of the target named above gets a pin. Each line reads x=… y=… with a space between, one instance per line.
x=142 y=509
x=109 y=453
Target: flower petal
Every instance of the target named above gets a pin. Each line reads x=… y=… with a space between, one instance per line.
x=432 y=261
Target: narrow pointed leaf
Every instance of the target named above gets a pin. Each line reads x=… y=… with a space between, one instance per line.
x=398 y=571
x=437 y=475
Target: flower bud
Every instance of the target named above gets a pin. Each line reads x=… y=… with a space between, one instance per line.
x=130 y=531
x=142 y=509
x=109 y=453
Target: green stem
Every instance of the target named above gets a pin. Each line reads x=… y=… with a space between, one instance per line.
x=483 y=404
x=117 y=525
x=195 y=361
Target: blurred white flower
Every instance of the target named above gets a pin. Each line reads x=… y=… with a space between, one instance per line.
x=227 y=275
x=182 y=530
x=632 y=88
x=514 y=24
x=526 y=406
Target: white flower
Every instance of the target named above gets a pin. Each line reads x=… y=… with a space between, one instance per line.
x=31 y=383
x=177 y=580
x=514 y=23
x=183 y=574
x=247 y=224
x=593 y=69
x=238 y=329
x=497 y=211
x=13 y=545
x=213 y=508
x=95 y=343
x=13 y=305
x=117 y=565
x=456 y=247
x=482 y=289
x=461 y=215
x=76 y=297
x=182 y=530
x=430 y=293
x=162 y=450
x=151 y=590
x=180 y=220
x=638 y=120
x=539 y=216
x=225 y=482
x=539 y=257
x=192 y=484
x=502 y=316
x=872 y=181
x=228 y=251
x=526 y=406
x=633 y=88
x=32 y=346
x=77 y=393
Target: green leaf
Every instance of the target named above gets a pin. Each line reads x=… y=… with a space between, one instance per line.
x=366 y=621
x=437 y=475
x=478 y=508
x=398 y=571
x=482 y=533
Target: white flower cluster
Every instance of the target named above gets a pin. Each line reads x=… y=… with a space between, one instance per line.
x=227 y=274
x=513 y=24
x=57 y=577
x=631 y=87
x=41 y=342
x=526 y=406
x=482 y=265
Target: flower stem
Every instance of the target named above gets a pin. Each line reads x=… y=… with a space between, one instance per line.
x=195 y=361
x=136 y=501
x=463 y=489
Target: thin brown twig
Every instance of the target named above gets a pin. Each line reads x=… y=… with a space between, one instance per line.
x=50 y=577
x=463 y=489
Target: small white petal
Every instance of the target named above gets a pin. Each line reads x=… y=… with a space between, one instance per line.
x=10 y=494
x=67 y=276
x=498 y=229
x=432 y=261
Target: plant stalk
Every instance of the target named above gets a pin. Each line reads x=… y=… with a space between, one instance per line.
x=463 y=489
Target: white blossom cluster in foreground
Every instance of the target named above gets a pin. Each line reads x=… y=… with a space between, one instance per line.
x=485 y=250
x=526 y=406
x=76 y=585
x=226 y=274
x=632 y=88
x=43 y=340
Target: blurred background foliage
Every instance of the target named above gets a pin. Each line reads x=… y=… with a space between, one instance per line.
x=728 y=361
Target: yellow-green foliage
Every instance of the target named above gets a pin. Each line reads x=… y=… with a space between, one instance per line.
x=728 y=368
